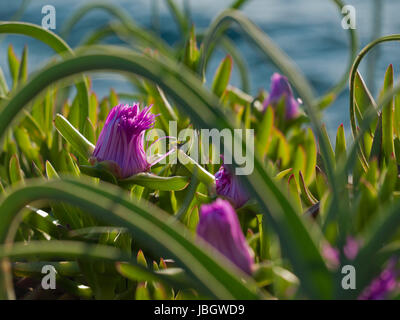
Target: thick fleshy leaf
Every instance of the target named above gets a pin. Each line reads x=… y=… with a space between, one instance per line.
x=57 y=44
x=74 y=137
x=15 y=171
x=387 y=117
x=3 y=84
x=294 y=194
x=330 y=153
x=23 y=67
x=311 y=155
x=340 y=146
x=13 y=65
x=155 y=182
x=192 y=53
x=222 y=76
x=264 y=132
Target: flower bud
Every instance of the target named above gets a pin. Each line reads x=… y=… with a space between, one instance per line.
x=280 y=88
x=122 y=137
x=220 y=227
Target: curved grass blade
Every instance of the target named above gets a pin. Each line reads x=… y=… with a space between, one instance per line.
x=181 y=20
x=74 y=250
x=219 y=29
x=130 y=27
x=57 y=249
x=333 y=92
x=150 y=226
x=59 y=46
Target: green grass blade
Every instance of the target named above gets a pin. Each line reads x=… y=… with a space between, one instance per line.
x=222 y=76
x=387 y=117
x=333 y=92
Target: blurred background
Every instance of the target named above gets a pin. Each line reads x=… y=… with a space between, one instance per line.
x=309 y=31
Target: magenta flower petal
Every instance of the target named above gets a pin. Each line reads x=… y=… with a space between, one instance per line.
x=228 y=186
x=122 y=138
x=280 y=88
x=219 y=226
x=381 y=286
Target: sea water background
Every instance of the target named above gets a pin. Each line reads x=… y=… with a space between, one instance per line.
x=309 y=31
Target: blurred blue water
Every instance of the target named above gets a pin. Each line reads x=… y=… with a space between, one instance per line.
x=309 y=31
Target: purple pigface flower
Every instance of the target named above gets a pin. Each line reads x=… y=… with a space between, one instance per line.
x=220 y=227
x=228 y=186
x=280 y=88
x=381 y=286
x=122 y=137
